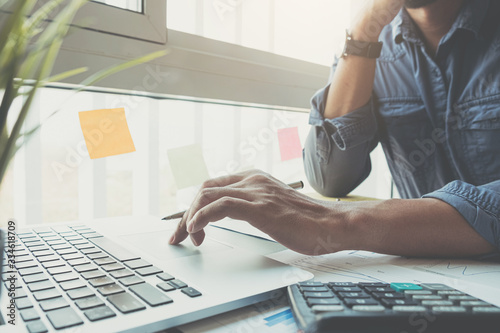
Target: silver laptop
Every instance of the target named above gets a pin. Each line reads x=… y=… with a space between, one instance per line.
x=120 y=275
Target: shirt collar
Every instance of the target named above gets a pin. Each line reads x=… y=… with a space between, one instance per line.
x=471 y=17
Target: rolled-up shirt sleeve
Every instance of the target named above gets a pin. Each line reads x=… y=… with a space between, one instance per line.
x=337 y=151
x=479 y=205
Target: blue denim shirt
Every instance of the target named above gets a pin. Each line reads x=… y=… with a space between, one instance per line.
x=436 y=116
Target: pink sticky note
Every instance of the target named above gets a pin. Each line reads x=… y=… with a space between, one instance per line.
x=289 y=141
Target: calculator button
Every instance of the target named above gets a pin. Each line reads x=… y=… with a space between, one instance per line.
x=451 y=293
x=380 y=289
x=405 y=286
x=347 y=289
x=436 y=286
x=314 y=289
x=373 y=284
x=474 y=303
x=462 y=298
x=389 y=295
x=341 y=284
x=354 y=295
x=310 y=294
x=311 y=284
x=418 y=292
x=323 y=301
x=360 y=301
x=394 y=302
x=368 y=308
x=408 y=308
x=485 y=309
x=427 y=297
x=437 y=303
x=449 y=309
x=327 y=308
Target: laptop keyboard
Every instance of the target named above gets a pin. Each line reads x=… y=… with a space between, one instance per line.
x=74 y=272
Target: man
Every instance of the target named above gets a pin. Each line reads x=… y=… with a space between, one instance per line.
x=431 y=96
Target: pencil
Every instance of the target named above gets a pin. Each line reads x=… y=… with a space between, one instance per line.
x=296 y=185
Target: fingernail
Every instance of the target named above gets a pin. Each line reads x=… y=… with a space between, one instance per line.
x=190 y=226
x=171 y=239
x=195 y=242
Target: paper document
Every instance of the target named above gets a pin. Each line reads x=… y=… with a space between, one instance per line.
x=362 y=266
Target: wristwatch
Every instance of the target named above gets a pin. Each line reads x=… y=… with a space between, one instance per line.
x=361 y=49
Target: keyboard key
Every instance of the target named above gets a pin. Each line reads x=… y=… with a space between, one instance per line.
x=80 y=293
x=486 y=309
x=93 y=274
x=90 y=250
x=126 y=303
x=46 y=294
x=84 y=246
x=418 y=292
x=65 y=277
x=72 y=256
x=36 y=327
x=112 y=267
x=85 y=268
x=73 y=284
x=102 y=312
x=191 y=292
x=165 y=286
x=165 y=276
x=89 y=302
x=62 y=246
x=53 y=304
x=79 y=261
x=115 y=250
x=437 y=303
x=152 y=270
x=130 y=281
x=27 y=264
x=48 y=258
x=176 y=283
x=102 y=281
x=97 y=255
x=66 y=251
x=104 y=261
x=379 y=289
x=29 y=314
x=35 y=278
x=23 y=303
x=122 y=273
x=53 y=263
x=63 y=318
x=150 y=294
x=19 y=293
x=327 y=308
x=59 y=270
x=61 y=228
x=110 y=289
x=138 y=263
x=43 y=285
x=92 y=235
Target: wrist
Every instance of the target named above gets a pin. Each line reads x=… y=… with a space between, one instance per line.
x=366 y=30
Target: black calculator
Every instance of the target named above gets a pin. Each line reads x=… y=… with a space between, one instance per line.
x=389 y=307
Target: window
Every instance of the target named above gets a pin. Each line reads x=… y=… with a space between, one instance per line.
x=230 y=71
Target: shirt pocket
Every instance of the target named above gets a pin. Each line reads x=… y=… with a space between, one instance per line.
x=479 y=131
x=407 y=136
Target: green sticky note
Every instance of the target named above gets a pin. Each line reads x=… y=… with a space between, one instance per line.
x=188 y=166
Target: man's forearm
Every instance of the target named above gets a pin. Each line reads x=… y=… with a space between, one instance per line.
x=352 y=83
x=415 y=227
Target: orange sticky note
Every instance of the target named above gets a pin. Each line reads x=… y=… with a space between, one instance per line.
x=289 y=142
x=106 y=132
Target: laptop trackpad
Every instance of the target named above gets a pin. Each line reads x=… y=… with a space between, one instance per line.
x=156 y=245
